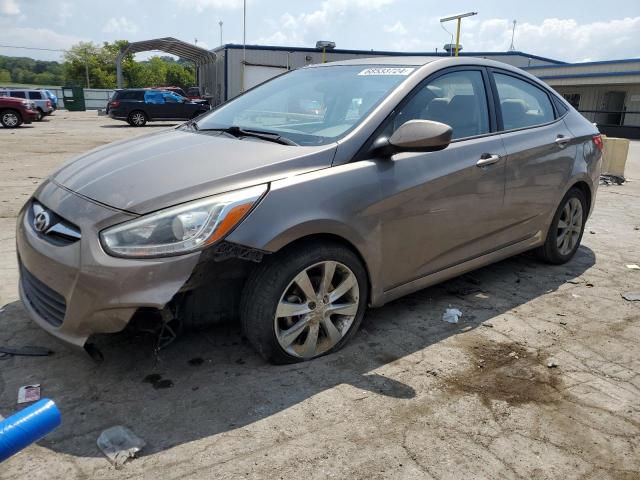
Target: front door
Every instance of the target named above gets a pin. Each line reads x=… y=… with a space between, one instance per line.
x=449 y=204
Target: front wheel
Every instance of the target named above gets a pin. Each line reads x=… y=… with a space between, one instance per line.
x=304 y=302
x=567 y=227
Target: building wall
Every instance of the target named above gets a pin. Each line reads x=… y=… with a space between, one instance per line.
x=592 y=97
x=230 y=59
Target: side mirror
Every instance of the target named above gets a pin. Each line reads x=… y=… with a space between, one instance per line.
x=415 y=136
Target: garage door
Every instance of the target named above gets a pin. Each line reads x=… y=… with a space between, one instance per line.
x=255 y=75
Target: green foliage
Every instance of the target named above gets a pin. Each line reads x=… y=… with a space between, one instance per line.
x=30 y=71
x=100 y=62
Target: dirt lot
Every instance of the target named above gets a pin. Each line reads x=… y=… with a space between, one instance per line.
x=411 y=397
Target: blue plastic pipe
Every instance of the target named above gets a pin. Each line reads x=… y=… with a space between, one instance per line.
x=27 y=426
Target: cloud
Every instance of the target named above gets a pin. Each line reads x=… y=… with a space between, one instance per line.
x=306 y=28
x=397 y=27
x=35 y=37
x=201 y=5
x=119 y=25
x=64 y=13
x=9 y=7
x=561 y=39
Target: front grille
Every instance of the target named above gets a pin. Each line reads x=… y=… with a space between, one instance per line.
x=50 y=305
x=56 y=230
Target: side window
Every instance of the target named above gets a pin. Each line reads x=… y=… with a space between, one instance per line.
x=171 y=97
x=18 y=94
x=457 y=99
x=153 y=96
x=521 y=103
x=33 y=95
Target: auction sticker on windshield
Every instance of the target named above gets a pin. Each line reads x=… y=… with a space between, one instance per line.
x=404 y=71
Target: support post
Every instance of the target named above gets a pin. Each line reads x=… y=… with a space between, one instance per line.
x=458 y=36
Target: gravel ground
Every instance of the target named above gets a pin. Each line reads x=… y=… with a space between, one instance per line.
x=410 y=397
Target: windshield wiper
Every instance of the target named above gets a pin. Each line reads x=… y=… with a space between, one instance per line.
x=240 y=132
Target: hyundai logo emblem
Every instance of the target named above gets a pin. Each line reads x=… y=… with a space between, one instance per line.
x=41 y=221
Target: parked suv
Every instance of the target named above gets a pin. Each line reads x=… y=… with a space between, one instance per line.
x=14 y=112
x=138 y=106
x=37 y=96
x=293 y=220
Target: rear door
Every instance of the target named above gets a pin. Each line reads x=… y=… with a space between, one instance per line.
x=540 y=153
x=445 y=207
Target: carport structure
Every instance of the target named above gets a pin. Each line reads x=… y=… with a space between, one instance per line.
x=204 y=60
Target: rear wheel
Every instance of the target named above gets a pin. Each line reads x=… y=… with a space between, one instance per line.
x=567 y=227
x=10 y=118
x=137 y=118
x=305 y=302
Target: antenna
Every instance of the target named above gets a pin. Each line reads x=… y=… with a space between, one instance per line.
x=512 y=48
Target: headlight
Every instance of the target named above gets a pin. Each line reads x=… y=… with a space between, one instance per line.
x=183 y=228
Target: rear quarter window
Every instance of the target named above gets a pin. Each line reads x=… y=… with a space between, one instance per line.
x=34 y=95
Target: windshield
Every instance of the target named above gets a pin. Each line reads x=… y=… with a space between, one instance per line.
x=310 y=106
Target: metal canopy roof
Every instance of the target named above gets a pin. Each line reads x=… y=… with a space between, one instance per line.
x=198 y=55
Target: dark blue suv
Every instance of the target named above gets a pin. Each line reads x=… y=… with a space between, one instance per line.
x=137 y=106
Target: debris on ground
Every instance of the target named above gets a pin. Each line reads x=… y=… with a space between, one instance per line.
x=156 y=380
x=592 y=232
x=633 y=267
x=514 y=355
x=28 y=351
x=119 y=444
x=610 y=179
x=631 y=296
x=588 y=285
x=488 y=325
x=562 y=323
x=552 y=364
x=451 y=315
x=29 y=393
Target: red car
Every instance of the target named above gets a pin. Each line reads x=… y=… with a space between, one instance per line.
x=16 y=111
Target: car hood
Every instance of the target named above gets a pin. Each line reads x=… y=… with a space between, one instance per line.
x=170 y=167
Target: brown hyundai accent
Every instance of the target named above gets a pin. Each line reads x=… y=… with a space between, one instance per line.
x=309 y=198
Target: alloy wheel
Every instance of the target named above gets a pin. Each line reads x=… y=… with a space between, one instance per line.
x=10 y=119
x=317 y=309
x=569 y=226
x=138 y=118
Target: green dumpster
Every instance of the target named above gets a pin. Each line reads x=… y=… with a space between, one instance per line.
x=73 y=98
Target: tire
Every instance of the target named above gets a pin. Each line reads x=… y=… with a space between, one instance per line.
x=562 y=241
x=10 y=118
x=39 y=115
x=137 y=118
x=274 y=281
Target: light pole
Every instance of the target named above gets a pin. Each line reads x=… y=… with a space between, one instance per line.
x=220 y=23
x=244 y=42
x=459 y=18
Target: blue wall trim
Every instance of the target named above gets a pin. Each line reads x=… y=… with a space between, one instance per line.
x=586 y=75
x=586 y=64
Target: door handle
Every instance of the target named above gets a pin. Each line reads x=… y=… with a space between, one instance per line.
x=487 y=159
x=562 y=141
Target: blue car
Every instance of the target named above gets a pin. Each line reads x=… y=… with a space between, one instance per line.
x=53 y=98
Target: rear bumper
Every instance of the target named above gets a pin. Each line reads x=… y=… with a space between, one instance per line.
x=77 y=290
x=29 y=116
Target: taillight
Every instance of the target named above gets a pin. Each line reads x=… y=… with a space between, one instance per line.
x=597 y=141
x=114 y=103
x=48 y=103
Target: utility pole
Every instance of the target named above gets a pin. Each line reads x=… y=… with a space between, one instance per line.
x=220 y=23
x=86 y=66
x=244 y=42
x=512 y=48
x=459 y=22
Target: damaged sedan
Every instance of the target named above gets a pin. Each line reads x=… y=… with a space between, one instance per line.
x=302 y=202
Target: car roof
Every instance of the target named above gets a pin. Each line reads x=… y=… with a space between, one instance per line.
x=401 y=60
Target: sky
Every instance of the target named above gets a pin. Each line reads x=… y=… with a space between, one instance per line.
x=572 y=31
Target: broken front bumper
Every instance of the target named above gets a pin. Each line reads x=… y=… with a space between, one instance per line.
x=72 y=288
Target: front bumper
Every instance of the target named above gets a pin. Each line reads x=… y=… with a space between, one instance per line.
x=76 y=290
